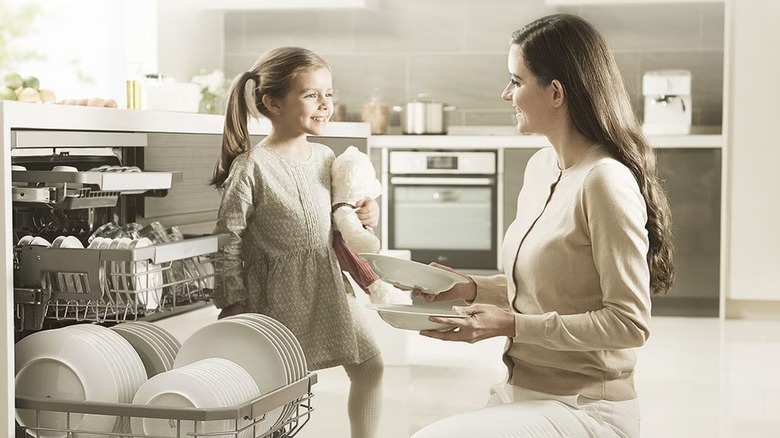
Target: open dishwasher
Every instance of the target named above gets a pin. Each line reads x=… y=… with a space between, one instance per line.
x=78 y=226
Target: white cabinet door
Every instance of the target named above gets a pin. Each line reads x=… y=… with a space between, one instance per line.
x=753 y=218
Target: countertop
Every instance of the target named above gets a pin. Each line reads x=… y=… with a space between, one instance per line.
x=501 y=137
x=20 y=115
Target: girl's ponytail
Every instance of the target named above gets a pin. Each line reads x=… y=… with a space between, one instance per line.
x=235 y=136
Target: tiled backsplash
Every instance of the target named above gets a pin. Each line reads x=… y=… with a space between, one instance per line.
x=455 y=50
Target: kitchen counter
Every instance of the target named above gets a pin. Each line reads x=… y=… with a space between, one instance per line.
x=19 y=115
x=505 y=141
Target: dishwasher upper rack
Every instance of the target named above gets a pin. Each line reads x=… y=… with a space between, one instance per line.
x=298 y=393
x=98 y=291
x=90 y=189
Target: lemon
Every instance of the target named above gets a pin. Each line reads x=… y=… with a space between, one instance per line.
x=7 y=93
x=13 y=80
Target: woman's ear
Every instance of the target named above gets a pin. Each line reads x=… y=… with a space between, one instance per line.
x=271 y=104
x=558 y=93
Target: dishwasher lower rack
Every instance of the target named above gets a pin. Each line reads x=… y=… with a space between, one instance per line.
x=183 y=422
x=113 y=285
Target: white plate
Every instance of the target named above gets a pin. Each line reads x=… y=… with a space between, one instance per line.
x=289 y=363
x=174 y=389
x=171 y=344
x=152 y=356
x=238 y=342
x=413 y=317
x=296 y=349
x=160 y=337
x=146 y=285
x=408 y=273
x=84 y=374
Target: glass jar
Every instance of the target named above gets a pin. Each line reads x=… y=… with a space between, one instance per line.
x=376 y=113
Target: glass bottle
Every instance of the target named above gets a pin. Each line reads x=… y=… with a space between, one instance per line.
x=133 y=85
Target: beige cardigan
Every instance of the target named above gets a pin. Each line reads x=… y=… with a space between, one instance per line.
x=580 y=286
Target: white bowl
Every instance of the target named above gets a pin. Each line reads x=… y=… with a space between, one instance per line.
x=414 y=317
x=407 y=274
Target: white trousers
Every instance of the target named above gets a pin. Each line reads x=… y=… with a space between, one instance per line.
x=514 y=412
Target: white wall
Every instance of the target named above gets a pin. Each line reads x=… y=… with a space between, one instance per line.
x=753 y=205
x=189 y=39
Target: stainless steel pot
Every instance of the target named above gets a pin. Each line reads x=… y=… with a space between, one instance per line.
x=424 y=116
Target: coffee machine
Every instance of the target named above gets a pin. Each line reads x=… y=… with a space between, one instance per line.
x=667 y=102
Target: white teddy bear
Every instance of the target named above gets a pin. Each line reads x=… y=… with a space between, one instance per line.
x=353 y=178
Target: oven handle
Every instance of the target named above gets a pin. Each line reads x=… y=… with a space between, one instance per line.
x=409 y=181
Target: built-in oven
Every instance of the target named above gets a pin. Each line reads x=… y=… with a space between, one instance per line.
x=444 y=207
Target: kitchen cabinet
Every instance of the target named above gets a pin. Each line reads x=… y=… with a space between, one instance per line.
x=692 y=180
x=753 y=249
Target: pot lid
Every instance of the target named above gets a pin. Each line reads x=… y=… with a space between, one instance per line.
x=424 y=98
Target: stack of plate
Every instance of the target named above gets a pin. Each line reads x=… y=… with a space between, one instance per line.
x=264 y=347
x=156 y=347
x=80 y=362
x=207 y=383
x=135 y=284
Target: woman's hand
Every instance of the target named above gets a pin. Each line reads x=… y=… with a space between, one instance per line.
x=461 y=291
x=233 y=309
x=484 y=321
x=368 y=212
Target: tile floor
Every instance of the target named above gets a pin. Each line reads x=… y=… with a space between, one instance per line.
x=697 y=377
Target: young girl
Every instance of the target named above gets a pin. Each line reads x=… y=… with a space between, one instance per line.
x=276 y=206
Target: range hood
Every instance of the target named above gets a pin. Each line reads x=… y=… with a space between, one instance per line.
x=229 y=5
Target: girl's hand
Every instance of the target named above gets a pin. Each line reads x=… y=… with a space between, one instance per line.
x=233 y=309
x=485 y=321
x=368 y=212
x=461 y=291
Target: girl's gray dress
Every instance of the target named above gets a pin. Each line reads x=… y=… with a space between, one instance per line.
x=280 y=261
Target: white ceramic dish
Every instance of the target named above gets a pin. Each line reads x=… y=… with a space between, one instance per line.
x=413 y=317
x=284 y=352
x=145 y=277
x=152 y=355
x=234 y=340
x=407 y=273
x=62 y=364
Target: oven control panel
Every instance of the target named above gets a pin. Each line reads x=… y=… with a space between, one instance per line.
x=442 y=162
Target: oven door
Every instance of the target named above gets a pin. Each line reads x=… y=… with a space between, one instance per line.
x=445 y=219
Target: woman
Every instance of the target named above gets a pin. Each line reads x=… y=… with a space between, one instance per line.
x=589 y=245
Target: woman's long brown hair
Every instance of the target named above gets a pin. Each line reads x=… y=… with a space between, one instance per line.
x=272 y=75
x=568 y=48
